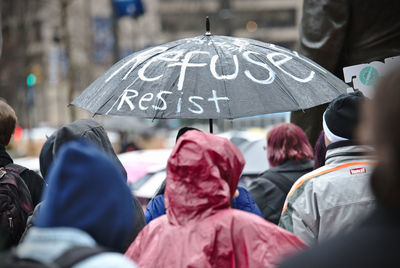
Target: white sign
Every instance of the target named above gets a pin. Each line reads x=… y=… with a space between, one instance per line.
x=365 y=76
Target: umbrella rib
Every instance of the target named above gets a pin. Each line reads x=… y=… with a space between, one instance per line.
x=280 y=83
x=95 y=113
x=151 y=57
x=288 y=93
x=156 y=112
x=224 y=81
x=109 y=98
x=320 y=73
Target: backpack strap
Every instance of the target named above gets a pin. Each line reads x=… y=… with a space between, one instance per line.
x=279 y=180
x=15 y=168
x=68 y=259
x=10 y=259
x=76 y=254
x=16 y=205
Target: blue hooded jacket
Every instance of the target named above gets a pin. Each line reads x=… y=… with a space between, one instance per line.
x=88 y=191
x=244 y=201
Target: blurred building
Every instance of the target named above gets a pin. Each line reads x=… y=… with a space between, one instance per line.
x=274 y=21
x=66 y=44
x=21 y=51
x=37 y=64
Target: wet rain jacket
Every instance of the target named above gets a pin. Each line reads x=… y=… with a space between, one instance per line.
x=200 y=229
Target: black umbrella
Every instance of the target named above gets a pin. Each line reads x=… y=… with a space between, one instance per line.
x=210 y=77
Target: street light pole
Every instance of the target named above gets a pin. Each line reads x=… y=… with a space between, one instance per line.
x=66 y=39
x=226 y=16
x=1 y=36
x=115 y=31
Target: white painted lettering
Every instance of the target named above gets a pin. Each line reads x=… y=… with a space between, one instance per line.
x=127 y=98
x=160 y=98
x=200 y=109
x=286 y=58
x=297 y=55
x=146 y=97
x=179 y=105
x=163 y=57
x=309 y=62
x=241 y=43
x=137 y=60
x=185 y=63
x=225 y=77
x=215 y=99
x=271 y=73
x=120 y=96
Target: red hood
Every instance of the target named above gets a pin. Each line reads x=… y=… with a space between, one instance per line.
x=203 y=172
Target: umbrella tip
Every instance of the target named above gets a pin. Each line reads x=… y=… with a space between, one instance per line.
x=207 y=26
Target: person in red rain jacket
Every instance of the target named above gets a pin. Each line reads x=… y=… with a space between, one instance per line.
x=200 y=229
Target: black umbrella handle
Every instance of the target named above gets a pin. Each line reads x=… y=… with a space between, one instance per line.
x=207 y=26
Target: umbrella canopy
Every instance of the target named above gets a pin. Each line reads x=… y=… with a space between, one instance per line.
x=119 y=123
x=256 y=157
x=146 y=169
x=210 y=77
x=139 y=163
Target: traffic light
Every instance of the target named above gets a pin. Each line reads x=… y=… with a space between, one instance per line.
x=37 y=71
x=35 y=75
x=18 y=133
x=31 y=80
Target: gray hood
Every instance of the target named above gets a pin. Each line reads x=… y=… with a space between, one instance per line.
x=80 y=129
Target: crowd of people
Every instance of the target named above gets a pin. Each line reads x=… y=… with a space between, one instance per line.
x=332 y=206
x=329 y=199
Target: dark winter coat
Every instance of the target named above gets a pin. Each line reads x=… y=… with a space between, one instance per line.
x=90 y=130
x=86 y=206
x=270 y=189
x=33 y=180
x=341 y=33
x=337 y=34
x=374 y=243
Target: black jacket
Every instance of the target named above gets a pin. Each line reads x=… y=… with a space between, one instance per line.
x=374 y=243
x=340 y=33
x=269 y=190
x=33 y=180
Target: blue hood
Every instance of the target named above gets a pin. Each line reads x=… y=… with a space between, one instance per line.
x=88 y=191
